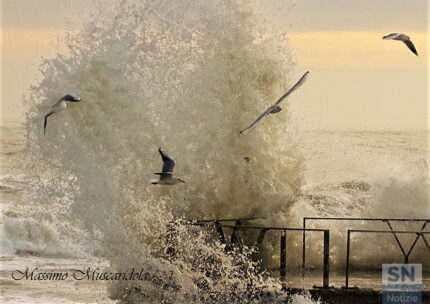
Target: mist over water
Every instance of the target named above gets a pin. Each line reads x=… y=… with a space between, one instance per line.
x=187 y=77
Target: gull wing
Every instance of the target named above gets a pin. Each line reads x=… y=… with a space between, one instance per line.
x=67 y=98
x=258 y=119
x=411 y=46
x=70 y=98
x=391 y=36
x=293 y=88
x=45 y=122
x=168 y=163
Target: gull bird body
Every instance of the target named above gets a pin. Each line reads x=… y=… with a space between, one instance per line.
x=275 y=108
x=404 y=38
x=60 y=105
x=166 y=175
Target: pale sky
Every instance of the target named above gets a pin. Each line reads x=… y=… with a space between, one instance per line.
x=357 y=80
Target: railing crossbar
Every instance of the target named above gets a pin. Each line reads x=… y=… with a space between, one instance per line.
x=367 y=219
x=391 y=231
x=255 y=227
x=226 y=220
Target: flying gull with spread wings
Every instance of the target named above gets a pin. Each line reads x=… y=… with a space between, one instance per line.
x=275 y=108
x=404 y=38
x=166 y=175
x=60 y=105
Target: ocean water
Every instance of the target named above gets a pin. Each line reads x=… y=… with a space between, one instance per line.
x=187 y=77
x=39 y=233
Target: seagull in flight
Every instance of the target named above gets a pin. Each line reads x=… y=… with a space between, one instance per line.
x=60 y=105
x=404 y=38
x=166 y=175
x=275 y=108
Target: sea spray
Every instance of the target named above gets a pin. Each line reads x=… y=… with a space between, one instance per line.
x=185 y=76
x=369 y=174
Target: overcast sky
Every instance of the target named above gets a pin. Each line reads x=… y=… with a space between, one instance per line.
x=360 y=15
x=305 y=15
x=357 y=80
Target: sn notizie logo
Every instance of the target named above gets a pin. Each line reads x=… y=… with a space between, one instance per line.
x=402 y=283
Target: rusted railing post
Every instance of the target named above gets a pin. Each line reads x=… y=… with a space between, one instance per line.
x=235 y=240
x=304 y=248
x=283 y=255
x=347 y=258
x=326 y=258
x=220 y=233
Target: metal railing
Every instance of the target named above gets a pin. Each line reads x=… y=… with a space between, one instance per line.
x=243 y=219
x=348 y=244
x=364 y=219
x=235 y=240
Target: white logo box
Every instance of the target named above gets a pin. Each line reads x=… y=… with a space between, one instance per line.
x=401 y=277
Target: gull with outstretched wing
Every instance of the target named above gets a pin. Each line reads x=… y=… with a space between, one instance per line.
x=404 y=38
x=60 y=105
x=275 y=108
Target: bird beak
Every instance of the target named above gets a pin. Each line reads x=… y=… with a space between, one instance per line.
x=183 y=181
